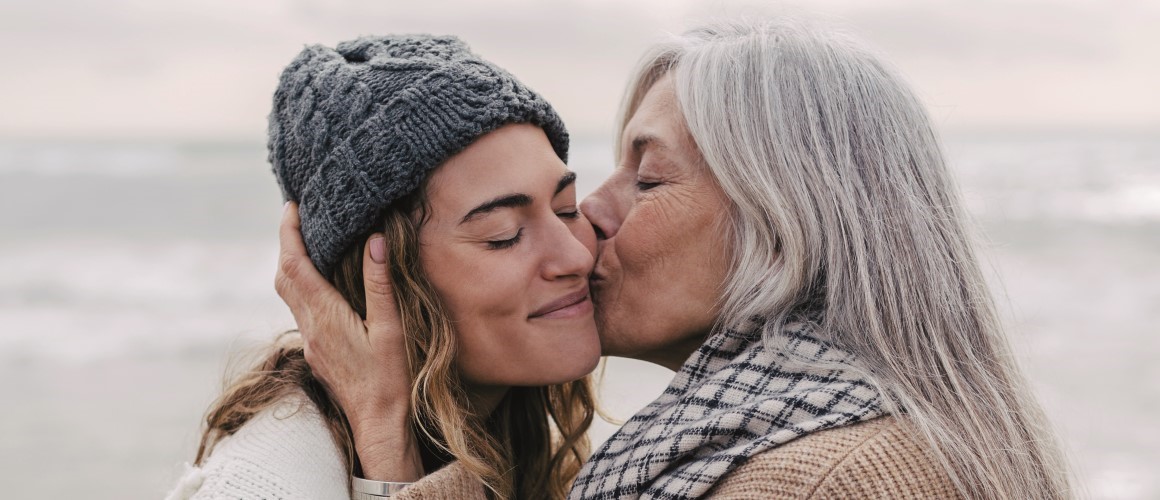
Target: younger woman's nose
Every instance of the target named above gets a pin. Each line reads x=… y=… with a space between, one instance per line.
x=567 y=256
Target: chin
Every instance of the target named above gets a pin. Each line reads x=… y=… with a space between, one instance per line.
x=576 y=368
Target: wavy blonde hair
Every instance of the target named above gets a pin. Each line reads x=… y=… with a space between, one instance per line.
x=841 y=200
x=531 y=446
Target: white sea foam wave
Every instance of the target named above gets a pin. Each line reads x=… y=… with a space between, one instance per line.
x=63 y=271
x=81 y=302
x=1126 y=203
x=81 y=158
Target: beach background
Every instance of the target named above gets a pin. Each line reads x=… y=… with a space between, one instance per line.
x=138 y=213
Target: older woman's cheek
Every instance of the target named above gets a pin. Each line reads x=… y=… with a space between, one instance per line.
x=637 y=294
x=616 y=307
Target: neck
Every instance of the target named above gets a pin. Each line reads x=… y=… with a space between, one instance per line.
x=481 y=400
x=484 y=399
x=673 y=356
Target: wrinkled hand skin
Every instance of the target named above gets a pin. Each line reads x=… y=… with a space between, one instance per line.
x=362 y=364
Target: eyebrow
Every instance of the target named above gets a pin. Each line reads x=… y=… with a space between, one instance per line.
x=566 y=180
x=642 y=142
x=515 y=200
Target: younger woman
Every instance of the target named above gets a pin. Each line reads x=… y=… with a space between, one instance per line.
x=420 y=168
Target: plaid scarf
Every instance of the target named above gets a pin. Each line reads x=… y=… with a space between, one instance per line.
x=732 y=400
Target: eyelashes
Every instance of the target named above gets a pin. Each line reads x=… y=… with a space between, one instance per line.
x=511 y=242
x=508 y=243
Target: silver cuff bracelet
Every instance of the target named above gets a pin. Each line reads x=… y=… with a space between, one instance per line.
x=366 y=489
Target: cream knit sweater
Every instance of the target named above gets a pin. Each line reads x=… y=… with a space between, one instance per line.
x=287 y=453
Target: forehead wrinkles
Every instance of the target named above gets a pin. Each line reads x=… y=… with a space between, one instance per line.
x=654 y=112
x=659 y=127
x=659 y=110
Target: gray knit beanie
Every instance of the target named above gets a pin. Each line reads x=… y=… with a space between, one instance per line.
x=356 y=128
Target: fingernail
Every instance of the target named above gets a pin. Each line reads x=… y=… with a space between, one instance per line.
x=378 y=249
x=285 y=206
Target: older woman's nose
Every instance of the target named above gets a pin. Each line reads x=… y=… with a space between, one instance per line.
x=601 y=213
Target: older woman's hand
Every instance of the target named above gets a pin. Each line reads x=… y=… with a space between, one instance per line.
x=363 y=364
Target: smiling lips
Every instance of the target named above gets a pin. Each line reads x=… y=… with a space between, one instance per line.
x=573 y=304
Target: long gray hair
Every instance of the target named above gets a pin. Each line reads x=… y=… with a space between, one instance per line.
x=841 y=201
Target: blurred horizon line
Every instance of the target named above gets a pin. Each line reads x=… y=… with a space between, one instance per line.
x=972 y=131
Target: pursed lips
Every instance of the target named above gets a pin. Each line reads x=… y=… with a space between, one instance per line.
x=596 y=281
x=595 y=275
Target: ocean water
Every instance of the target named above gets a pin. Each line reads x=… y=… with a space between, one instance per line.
x=130 y=272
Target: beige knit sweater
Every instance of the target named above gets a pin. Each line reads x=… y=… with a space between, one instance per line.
x=875 y=459
x=287 y=453
x=878 y=459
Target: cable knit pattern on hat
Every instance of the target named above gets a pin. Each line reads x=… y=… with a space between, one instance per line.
x=358 y=127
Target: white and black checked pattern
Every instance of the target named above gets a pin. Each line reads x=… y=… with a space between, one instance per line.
x=732 y=400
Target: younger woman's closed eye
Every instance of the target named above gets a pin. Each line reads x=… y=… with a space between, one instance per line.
x=508 y=243
x=570 y=215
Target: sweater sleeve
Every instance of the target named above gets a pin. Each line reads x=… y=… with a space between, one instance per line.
x=285 y=452
x=452 y=481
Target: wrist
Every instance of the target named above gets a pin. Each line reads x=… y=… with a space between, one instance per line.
x=394 y=461
x=374 y=411
x=388 y=449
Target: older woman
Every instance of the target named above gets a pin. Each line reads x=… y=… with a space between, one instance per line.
x=782 y=231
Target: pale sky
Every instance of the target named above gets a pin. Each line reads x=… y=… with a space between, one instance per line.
x=206 y=69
